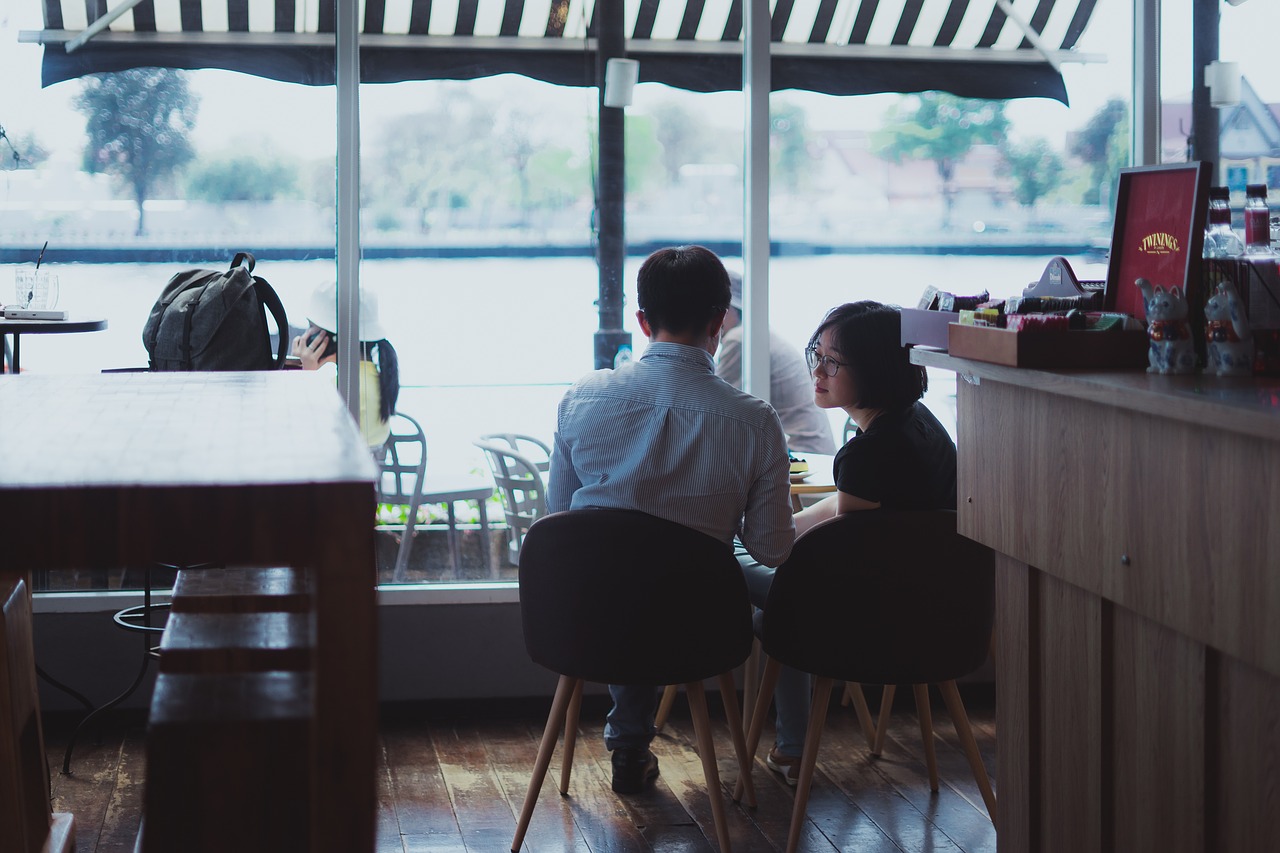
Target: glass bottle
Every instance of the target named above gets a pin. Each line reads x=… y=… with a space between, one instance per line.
x=1257 y=220
x=1220 y=239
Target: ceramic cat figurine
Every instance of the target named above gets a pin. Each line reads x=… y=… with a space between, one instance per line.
x=1170 y=350
x=1226 y=333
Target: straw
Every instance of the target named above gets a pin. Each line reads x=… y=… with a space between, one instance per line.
x=40 y=257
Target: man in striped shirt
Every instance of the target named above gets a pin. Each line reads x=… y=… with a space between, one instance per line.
x=666 y=436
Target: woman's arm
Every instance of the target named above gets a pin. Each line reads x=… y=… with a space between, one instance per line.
x=830 y=507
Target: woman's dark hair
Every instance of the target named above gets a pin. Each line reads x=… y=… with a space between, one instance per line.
x=382 y=354
x=681 y=288
x=388 y=373
x=868 y=337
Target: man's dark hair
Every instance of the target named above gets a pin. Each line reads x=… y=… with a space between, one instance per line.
x=868 y=337
x=681 y=288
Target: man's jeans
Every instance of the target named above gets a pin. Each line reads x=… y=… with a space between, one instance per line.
x=630 y=721
x=791 y=696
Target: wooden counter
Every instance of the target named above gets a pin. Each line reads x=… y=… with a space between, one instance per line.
x=1138 y=602
x=241 y=468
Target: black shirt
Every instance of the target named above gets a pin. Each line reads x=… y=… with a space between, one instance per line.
x=904 y=460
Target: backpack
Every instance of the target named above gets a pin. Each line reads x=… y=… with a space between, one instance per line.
x=209 y=320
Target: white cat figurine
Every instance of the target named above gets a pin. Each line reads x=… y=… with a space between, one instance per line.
x=1170 y=350
x=1226 y=333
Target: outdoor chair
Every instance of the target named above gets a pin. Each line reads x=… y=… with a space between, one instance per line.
x=403 y=482
x=534 y=449
x=622 y=597
x=522 y=488
x=880 y=597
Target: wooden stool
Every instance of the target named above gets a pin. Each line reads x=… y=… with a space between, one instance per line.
x=243 y=589
x=213 y=643
x=228 y=762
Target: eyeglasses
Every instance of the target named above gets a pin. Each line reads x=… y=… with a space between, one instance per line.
x=830 y=367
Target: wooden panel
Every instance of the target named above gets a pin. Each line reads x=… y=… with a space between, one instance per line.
x=1169 y=520
x=1244 y=757
x=1158 y=738
x=243 y=589
x=237 y=642
x=1068 y=762
x=24 y=781
x=1015 y=614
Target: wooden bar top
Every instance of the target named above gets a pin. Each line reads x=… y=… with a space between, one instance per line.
x=162 y=429
x=1248 y=405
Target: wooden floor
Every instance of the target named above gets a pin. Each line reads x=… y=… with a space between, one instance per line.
x=452 y=780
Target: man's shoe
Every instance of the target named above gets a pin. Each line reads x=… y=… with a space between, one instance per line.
x=784 y=764
x=633 y=769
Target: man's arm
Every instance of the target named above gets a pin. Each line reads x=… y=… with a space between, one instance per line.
x=729 y=360
x=768 y=530
x=562 y=480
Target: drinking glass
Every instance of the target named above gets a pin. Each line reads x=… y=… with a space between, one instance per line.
x=36 y=289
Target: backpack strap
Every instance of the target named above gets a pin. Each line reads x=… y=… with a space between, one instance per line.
x=188 y=319
x=270 y=301
x=243 y=258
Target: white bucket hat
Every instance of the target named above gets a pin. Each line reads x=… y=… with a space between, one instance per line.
x=324 y=311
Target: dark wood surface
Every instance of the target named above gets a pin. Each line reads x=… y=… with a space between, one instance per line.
x=262 y=468
x=1138 y=602
x=452 y=781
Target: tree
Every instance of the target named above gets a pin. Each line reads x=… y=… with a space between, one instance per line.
x=243 y=177
x=25 y=152
x=943 y=128
x=139 y=123
x=1036 y=169
x=681 y=135
x=789 y=144
x=1098 y=147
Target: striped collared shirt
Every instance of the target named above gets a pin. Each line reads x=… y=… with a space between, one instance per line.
x=666 y=436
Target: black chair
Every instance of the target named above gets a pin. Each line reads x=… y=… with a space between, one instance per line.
x=621 y=597
x=880 y=597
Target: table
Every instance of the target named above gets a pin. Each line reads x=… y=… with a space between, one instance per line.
x=249 y=468
x=1137 y=602
x=17 y=328
x=819 y=482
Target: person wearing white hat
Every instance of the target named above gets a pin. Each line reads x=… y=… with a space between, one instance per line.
x=790 y=388
x=379 y=365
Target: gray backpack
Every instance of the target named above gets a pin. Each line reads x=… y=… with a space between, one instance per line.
x=209 y=320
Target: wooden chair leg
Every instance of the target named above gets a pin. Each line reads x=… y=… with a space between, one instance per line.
x=565 y=689
x=853 y=693
x=886 y=707
x=767 y=682
x=955 y=707
x=729 y=693
x=664 y=707
x=750 y=683
x=570 y=736
x=707 y=752
x=817 y=720
x=926 y=733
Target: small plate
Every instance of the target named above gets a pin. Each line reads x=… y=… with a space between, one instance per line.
x=801 y=477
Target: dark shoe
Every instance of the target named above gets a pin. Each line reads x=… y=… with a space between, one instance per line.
x=784 y=764
x=633 y=769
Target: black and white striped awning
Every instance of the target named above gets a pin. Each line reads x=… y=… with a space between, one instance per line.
x=973 y=48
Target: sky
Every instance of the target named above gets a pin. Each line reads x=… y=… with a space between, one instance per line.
x=235 y=108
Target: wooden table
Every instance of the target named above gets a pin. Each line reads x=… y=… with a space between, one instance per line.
x=17 y=328
x=820 y=480
x=1138 y=603
x=249 y=468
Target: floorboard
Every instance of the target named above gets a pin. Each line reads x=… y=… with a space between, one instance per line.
x=452 y=780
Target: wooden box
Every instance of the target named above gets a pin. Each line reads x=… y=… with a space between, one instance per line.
x=1053 y=348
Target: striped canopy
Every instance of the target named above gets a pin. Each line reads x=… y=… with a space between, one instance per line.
x=972 y=48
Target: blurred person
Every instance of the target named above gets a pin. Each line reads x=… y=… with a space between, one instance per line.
x=790 y=390
x=379 y=367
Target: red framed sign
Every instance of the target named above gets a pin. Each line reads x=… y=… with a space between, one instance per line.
x=1158 y=233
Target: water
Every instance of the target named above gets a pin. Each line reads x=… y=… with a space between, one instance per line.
x=489 y=345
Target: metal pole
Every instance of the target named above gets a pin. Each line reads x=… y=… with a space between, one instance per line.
x=756 y=82
x=611 y=245
x=1205 y=19
x=348 y=201
x=1146 y=83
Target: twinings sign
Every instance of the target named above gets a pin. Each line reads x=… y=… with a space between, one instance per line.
x=1159 y=243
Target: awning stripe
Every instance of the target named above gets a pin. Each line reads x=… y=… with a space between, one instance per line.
x=687 y=43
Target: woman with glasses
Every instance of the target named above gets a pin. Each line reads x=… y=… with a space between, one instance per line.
x=900 y=457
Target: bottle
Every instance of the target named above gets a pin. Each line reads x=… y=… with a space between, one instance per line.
x=1257 y=220
x=1220 y=239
